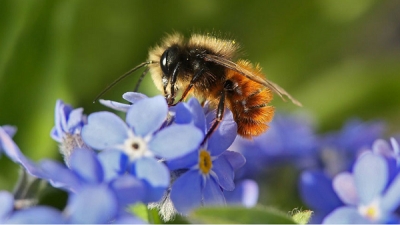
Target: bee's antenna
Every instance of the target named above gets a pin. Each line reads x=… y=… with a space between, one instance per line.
x=123 y=76
x=141 y=79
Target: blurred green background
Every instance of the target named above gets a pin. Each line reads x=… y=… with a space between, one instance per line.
x=340 y=58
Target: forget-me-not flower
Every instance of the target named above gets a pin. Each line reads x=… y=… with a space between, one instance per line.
x=143 y=139
x=210 y=169
x=370 y=195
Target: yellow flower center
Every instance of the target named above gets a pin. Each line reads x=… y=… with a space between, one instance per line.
x=371 y=211
x=205 y=163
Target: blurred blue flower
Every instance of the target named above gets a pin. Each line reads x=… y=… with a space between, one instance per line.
x=99 y=183
x=211 y=168
x=291 y=139
x=339 y=150
x=368 y=192
x=141 y=139
x=316 y=190
x=93 y=204
x=37 y=214
x=245 y=194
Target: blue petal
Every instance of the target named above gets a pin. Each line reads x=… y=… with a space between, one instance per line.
x=345 y=215
x=155 y=173
x=225 y=134
x=37 y=215
x=183 y=115
x=6 y=206
x=93 y=204
x=212 y=193
x=75 y=120
x=189 y=184
x=86 y=165
x=184 y=162
x=345 y=188
x=199 y=118
x=175 y=141
x=147 y=115
x=55 y=135
x=236 y=159
x=133 y=97
x=381 y=147
x=317 y=192
x=245 y=193
x=10 y=130
x=104 y=130
x=114 y=163
x=225 y=173
x=153 y=194
x=60 y=113
x=15 y=154
x=115 y=105
x=391 y=199
x=371 y=176
x=59 y=176
x=395 y=146
x=128 y=190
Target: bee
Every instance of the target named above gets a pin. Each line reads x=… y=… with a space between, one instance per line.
x=203 y=66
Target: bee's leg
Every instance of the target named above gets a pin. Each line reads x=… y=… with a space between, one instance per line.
x=195 y=78
x=218 y=118
x=165 y=82
x=228 y=87
x=174 y=77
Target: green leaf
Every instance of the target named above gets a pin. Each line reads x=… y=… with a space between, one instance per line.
x=140 y=210
x=146 y=214
x=241 y=215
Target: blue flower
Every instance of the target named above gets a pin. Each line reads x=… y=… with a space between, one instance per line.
x=68 y=121
x=245 y=194
x=337 y=152
x=67 y=128
x=96 y=181
x=370 y=195
x=141 y=139
x=340 y=149
x=316 y=190
x=37 y=214
x=93 y=204
x=210 y=169
x=291 y=139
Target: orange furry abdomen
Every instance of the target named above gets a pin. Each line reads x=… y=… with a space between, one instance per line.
x=248 y=102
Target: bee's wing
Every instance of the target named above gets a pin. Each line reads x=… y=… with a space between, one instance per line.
x=233 y=66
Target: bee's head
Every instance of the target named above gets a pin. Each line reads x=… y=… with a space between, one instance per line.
x=169 y=59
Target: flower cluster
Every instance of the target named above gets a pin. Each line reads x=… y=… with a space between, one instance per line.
x=349 y=176
x=156 y=154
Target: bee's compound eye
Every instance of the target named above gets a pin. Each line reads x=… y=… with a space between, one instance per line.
x=163 y=62
x=169 y=59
